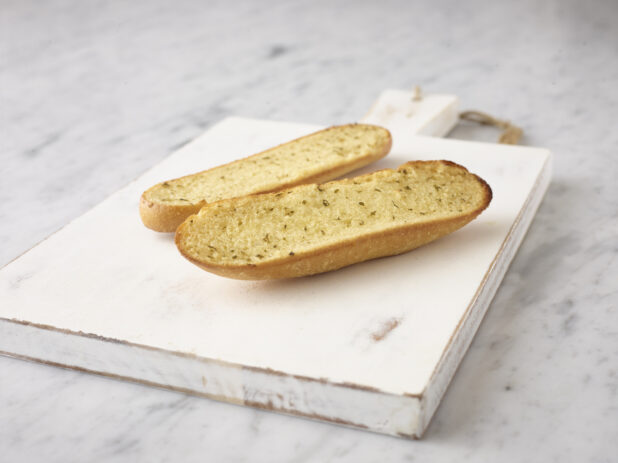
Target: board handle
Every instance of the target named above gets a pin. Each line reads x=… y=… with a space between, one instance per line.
x=433 y=115
x=403 y=111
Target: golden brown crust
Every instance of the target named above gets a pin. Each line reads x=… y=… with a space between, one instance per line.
x=396 y=240
x=166 y=218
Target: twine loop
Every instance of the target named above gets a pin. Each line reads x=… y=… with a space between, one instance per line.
x=510 y=133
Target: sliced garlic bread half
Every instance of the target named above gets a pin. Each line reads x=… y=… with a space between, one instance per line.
x=314 y=158
x=314 y=228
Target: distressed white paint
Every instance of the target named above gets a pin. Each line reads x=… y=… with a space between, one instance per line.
x=107 y=275
x=387 y=413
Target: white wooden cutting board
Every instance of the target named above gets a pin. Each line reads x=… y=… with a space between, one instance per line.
x=372 y=346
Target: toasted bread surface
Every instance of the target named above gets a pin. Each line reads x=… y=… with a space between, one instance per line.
x=314 y=158
x=315 y=228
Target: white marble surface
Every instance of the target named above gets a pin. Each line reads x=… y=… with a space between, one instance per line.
x=92 y=94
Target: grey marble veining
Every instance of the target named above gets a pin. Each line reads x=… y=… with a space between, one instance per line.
x=93 y=93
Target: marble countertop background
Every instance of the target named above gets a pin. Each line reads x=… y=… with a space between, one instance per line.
x=94 y=93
